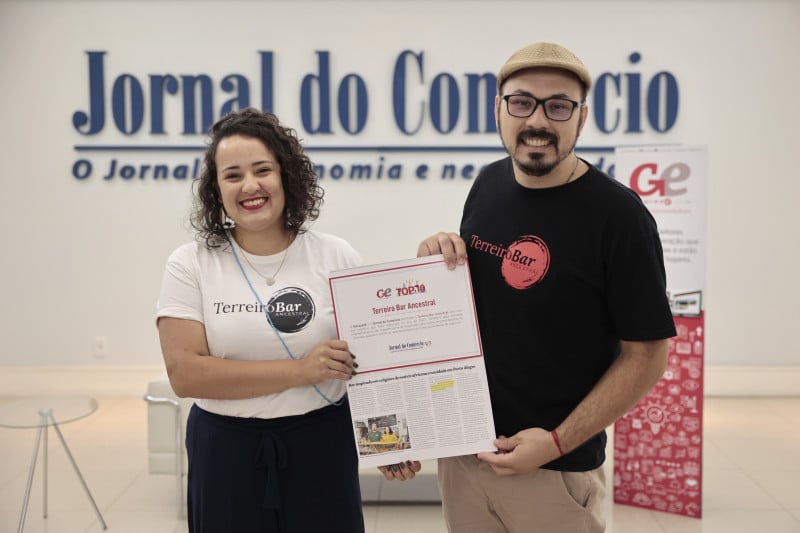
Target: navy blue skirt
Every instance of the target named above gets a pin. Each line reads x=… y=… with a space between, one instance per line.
x=296 y=474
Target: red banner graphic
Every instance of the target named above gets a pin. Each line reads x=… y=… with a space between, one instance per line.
x=658 y=460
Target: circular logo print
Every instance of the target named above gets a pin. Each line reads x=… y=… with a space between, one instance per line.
x=654 y=414
x=290 y=309
x=525 y=262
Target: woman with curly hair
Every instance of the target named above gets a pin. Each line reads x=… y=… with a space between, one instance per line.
x=246 y=325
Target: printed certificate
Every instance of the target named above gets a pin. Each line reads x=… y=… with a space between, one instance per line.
x=421 y=390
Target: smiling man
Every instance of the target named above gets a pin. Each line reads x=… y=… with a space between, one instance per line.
x=570 y=290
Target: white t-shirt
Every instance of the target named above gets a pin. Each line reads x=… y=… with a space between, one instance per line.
x=207 y=285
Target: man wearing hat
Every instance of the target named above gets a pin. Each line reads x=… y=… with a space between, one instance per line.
x=570 y=289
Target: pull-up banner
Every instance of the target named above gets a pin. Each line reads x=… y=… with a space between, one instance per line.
x=658 y=446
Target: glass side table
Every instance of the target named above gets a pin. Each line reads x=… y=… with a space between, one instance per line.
x=42 y=413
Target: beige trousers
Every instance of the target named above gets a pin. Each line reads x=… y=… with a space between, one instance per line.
x=476 y=500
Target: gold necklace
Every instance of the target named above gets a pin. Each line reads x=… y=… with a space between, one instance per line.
x=269 y=279
x=574 y=168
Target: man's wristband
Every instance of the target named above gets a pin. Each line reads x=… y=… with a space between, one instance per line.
x=558 y=443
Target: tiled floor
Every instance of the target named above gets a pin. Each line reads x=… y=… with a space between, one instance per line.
x=751 y=468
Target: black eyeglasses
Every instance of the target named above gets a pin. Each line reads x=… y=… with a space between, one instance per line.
x=523 y=106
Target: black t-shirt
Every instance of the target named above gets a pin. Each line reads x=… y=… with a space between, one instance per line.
x=560 y=276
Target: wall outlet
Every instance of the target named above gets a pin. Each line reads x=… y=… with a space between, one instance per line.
x=101 y=346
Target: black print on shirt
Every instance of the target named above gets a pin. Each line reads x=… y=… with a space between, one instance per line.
x=291 y=309
x=525 y=262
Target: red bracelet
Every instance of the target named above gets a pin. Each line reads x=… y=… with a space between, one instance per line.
x=558 y=443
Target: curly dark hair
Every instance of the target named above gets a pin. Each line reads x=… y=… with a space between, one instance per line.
x=303 y=194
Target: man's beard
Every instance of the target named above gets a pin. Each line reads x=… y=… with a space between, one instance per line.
x=535 y=165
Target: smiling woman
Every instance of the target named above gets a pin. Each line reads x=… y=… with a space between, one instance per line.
x=251 y=190
x=261 y=359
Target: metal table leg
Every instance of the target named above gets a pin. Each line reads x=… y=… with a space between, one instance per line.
x=47 y=419
x=31 y=470
x=77 y=470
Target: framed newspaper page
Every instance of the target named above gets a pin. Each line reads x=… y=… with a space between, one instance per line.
x=421 y=390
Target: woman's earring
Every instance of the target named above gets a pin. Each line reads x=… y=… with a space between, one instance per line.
x=227 y=222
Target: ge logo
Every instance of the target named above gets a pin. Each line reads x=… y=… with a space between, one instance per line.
x=384 y=293
x=646 y=179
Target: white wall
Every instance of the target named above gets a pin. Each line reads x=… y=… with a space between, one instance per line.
x=84 y=258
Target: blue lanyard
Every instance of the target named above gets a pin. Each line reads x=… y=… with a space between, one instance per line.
x=269 y=320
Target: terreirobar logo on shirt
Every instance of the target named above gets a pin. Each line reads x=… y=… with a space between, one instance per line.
x=290 y=309
x=524 y=262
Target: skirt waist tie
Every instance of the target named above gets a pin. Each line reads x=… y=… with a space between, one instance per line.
x=270 y=458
